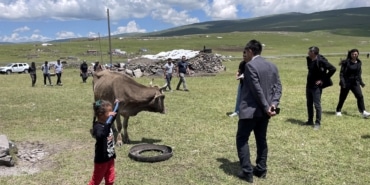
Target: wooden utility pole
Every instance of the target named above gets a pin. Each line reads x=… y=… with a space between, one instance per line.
x=110 y=44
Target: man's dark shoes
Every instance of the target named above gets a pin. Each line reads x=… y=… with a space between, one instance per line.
x=259 y=173
x=245 y=177
x=308 y=123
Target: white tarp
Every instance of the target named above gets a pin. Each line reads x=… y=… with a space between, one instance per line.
x=174 y=54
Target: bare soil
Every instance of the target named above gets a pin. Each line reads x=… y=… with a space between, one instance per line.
x=32 y=157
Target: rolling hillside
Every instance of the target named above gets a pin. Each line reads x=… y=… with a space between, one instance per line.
x=353 y=21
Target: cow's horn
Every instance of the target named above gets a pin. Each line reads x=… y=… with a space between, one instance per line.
x=163 y=88
x=151 y=82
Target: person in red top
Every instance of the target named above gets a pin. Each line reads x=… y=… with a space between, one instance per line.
x=104 y=146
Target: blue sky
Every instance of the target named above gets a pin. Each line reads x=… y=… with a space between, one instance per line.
x=45 y=20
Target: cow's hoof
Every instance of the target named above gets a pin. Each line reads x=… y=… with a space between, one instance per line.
x=119 y=143
x=126 y=140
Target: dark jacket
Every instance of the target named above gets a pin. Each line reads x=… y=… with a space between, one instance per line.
x=348 y=78
x=32 y=70
x=241 y=70
x=319 y=69
x=104 y=146
x=84 y=67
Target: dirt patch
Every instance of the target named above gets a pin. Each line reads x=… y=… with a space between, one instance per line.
x=32 y=157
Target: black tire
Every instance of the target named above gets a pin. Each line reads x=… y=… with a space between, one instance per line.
x=165 y=152
x=8 y=72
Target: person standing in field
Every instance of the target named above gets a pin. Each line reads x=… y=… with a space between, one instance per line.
x=83 y=71
x=168 y=70
x=182 y=69
x=104 y=145
x=58 y=69
x=260 y=97
x=97 y=67
x=351 y=80
x=32 y=71
x=318 y=77
x=240 y=77
x=46 y=72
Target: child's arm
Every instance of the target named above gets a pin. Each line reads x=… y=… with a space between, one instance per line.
x=112 y=115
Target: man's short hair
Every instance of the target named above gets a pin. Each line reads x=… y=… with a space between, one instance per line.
x=314 y=49
x=255 y=46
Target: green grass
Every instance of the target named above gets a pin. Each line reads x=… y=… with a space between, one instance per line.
x=196 y=126
x=230 y=44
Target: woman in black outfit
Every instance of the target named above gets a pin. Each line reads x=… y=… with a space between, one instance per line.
x=350 y=79
x=32 y=71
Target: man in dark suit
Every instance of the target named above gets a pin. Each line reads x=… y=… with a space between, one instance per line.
x=260 y=96
x=318 y=77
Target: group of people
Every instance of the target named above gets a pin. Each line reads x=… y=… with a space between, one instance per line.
x=259 y=93
x=319 y=73
x=182 y=70
x=46 y=68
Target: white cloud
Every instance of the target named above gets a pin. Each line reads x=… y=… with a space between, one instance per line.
x=15 y=37
x=131 y=27
x=92 y=35
x=22 y=29
x=222 y=9
x=66 y=35
x=173 y=17
x=37 y=37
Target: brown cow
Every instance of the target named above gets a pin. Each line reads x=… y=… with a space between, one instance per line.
x=133 y=96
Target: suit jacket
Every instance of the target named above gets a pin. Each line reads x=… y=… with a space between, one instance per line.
x=261 y=88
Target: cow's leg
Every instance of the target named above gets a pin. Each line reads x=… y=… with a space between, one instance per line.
x=126 y=139
x=118 y=134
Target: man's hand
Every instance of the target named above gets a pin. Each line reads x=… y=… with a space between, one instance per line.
x=318 y=82
x=271 y=112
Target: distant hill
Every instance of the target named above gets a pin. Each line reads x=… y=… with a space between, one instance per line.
x=352 y=21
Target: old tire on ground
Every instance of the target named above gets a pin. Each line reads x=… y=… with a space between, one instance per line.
x=165 y=152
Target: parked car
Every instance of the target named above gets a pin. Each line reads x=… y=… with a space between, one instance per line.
x=15 y=68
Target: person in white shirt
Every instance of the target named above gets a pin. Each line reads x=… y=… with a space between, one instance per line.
x=46 y=72
x=168 y=70
x=58 y=69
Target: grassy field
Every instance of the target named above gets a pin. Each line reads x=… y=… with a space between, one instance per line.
x=196 y=125
x=228 y=44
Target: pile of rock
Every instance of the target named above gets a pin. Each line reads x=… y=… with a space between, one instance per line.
x=202 y=64
x=5 y=147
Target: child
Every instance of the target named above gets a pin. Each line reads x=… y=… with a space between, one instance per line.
x=104 y=146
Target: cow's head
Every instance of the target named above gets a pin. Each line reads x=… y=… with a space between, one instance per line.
x=157 y=103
